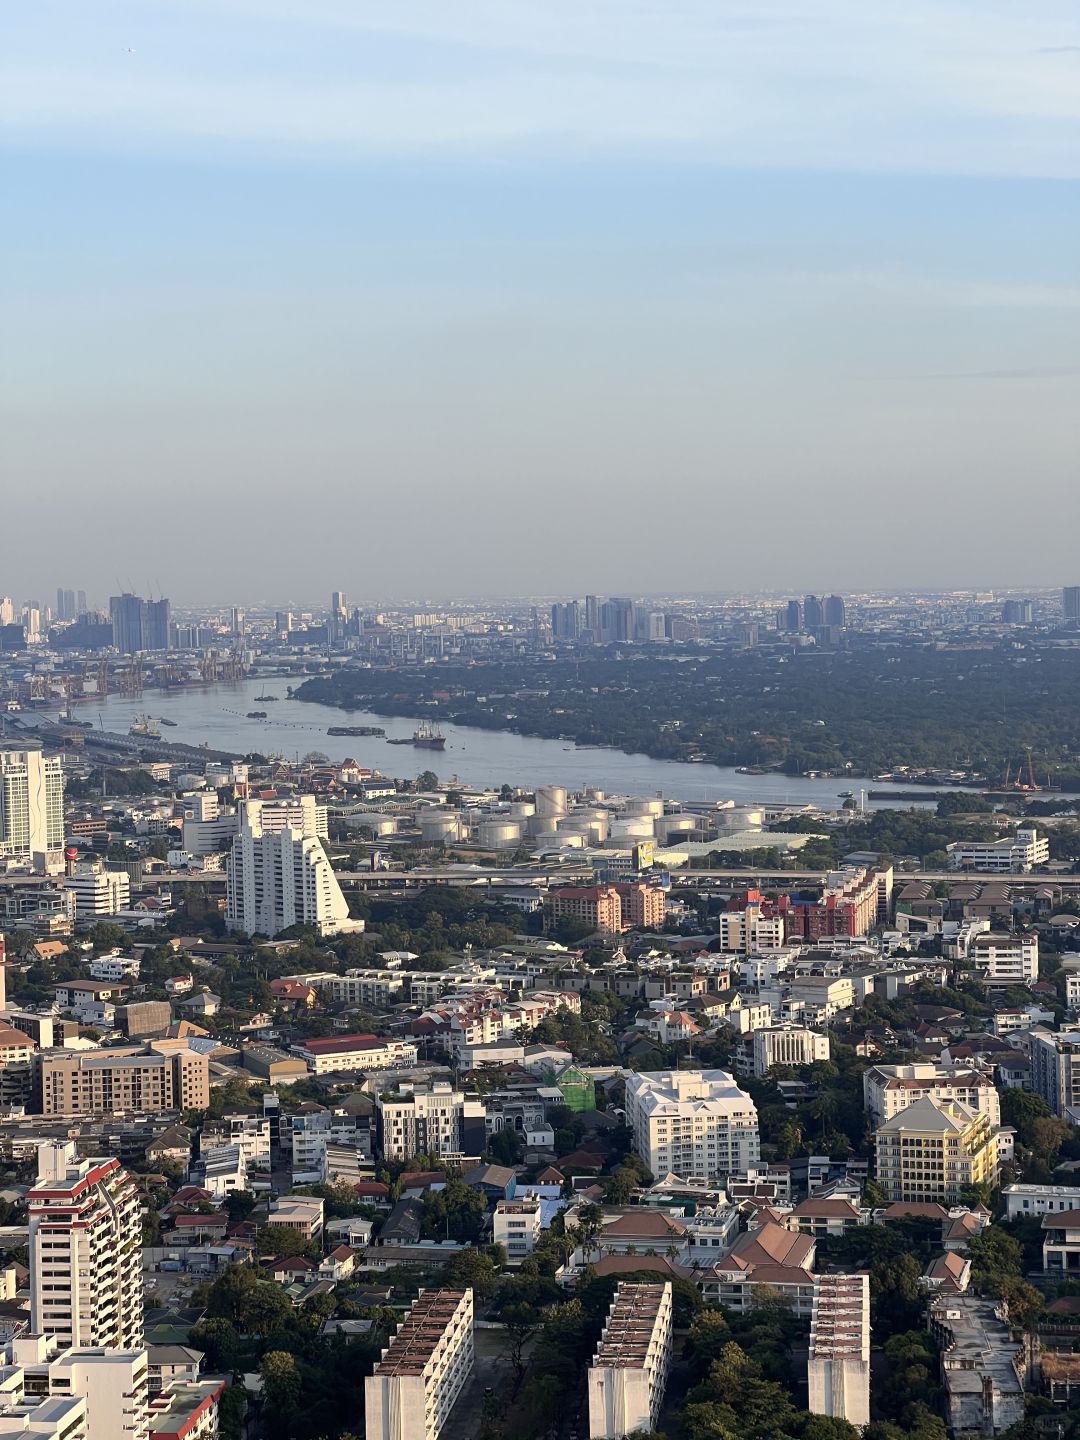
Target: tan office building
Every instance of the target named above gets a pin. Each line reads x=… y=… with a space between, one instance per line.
x=124 y=1080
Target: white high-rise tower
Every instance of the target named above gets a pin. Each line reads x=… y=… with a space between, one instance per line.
x=32 y=808
x=86 y=1282
x=279 y=878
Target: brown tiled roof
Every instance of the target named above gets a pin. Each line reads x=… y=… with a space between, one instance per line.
x=646 y=1223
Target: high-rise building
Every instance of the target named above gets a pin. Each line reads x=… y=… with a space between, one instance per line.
x=32 y=808
x=437 y=1121
x=813 y=613
x=81 y=604
x=1017 y=612
x=789 y=617
x=592 y=615
x=140 y=1080
x=423 y=1370
x=283 y=621
x=98 y=892
x=139 y=624
x=565 y=621
x=85 y=1242
x=933 y=1153
x=277 y=880
x=1070 y=602
x=838 y=1362
x=835 y=610
x=628 y=1375
x=696 y=1123
x=1055 y=1069
x=888 y=1089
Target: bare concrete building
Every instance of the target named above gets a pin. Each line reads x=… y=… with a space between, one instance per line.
x=838 y=1361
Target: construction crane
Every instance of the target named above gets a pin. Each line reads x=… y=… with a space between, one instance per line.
x=131 y=681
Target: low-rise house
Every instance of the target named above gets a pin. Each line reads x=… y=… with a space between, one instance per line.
x=817 y=1216
x=517 y=1227
x=1061 y=1243
x=948 y=1274
x=641 y=1231
x=338 y=1265
x=770 y=1259
x=302 y=1213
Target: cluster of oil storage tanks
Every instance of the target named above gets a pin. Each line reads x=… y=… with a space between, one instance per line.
x=590 y=822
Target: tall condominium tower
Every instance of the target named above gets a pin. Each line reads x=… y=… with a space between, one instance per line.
x=86 y=1284
x=32 y=807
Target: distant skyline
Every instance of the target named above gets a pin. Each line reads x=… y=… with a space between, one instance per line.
x=481 y=296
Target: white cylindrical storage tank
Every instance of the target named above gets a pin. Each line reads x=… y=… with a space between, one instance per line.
x=551 y=800
x=439 y=825
x=593 y=828
x=632 y=827
x=644 y=805
x=596 y=795
x=542 y=824
x=668 y=825
x=521 y=809
x=742 y=818
x=498 y=834
x=376 y=822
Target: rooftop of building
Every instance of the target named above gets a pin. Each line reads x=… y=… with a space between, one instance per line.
x=631 y=1324
x=415 y=1342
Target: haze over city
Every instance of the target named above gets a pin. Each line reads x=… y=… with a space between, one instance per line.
x=433 y=298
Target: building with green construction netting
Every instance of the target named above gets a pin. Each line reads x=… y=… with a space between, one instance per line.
x=577 y=1088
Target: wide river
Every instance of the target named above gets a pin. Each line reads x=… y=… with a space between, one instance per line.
x=216 y=715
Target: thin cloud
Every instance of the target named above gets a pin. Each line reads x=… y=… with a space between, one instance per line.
x=898 y=87
x=1029 y=372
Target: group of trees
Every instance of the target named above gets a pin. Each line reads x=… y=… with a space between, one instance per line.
x=859 y=711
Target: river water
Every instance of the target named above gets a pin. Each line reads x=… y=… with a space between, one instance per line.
x=215 y=714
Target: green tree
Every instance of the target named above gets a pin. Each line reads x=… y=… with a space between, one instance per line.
x=218 y=1339
x=282 y=1390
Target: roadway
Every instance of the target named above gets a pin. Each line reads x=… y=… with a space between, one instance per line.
x=395 y=879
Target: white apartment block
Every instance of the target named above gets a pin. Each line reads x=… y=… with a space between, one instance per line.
x=32 y=809
x=85 y=1242
x=1012 y=855
x=838 y=1363
x=115 y=967
x=98 y=892
x=1039 y=1199
x=696 y=1124
x=341 y=1053
x=1072 y=989
x=373 y=988
x=303 y=1213
x=747 y=931
x=277 y=878
x=222 y=1169
x=747 y=1015
x=516 y=1227
x=437 y=1121
x=1001 y=959
x=91 y=1391
x=888 y=1089
x=629 y=1372
x=423 y=1370
x=787 y=1045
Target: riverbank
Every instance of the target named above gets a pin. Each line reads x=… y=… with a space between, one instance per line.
x=216 y=716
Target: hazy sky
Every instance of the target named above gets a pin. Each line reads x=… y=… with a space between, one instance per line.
x=440 y=296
